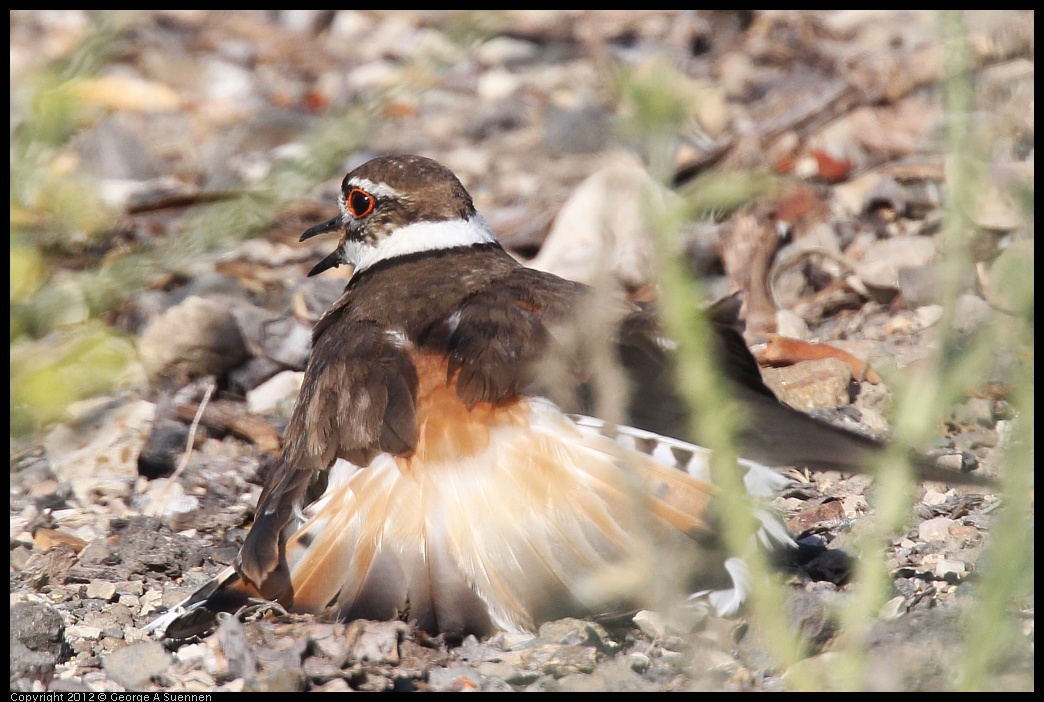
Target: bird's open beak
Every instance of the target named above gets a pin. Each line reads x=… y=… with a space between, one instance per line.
x=324 y=228
x=331 y=261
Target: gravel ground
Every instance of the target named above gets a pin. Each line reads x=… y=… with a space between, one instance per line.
x=205 y=142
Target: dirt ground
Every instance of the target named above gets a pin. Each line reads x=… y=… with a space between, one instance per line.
x=165 y=163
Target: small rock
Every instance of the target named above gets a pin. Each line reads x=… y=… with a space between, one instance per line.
x=289 y=679
x=639 y=662
x=101 y=590
x=964 y=533
x=719 y=660
x=238 y=653
x=936 y=529
x=956 y=461
x=160 y=455
x=196 y=338
x=496 y=85
x=38 y=626
x=809 y=385
x=597 y=230
x=893 y=608
x=950 y=570
x=151 y=601
x=192 y=654
x=502 y=50
x=79 y=631
x=454 y=679
x=974 y=411
x=560 y=660
x=130 y=587
x=136 y=665
x=1008 y=282
x=335 y=685
x=102 y=440
x=276 y=395
x=508 y=673
x=928 y=315
x=26 y=663
x=288 y=342
x=652 y=624
x=377 y=642
x=920 y=284
x=791 y=325
x=181 y=511
x=129 y=601
x=883 y=258
x=19 y=558
x=854 y=505
x=826 y=512
x=577 y=632
x=808 y=614
x=994 y=208
x=933 y=497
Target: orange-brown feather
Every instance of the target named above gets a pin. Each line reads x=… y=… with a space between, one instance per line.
x=449 y=429
x=503 y=514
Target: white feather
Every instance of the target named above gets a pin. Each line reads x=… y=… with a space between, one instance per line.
x=418 y=237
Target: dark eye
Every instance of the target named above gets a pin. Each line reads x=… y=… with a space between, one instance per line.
x=360 y=203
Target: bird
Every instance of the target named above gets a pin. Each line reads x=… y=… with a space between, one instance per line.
x=443 y=463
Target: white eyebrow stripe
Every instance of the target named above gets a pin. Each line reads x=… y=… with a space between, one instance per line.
x=375 y=189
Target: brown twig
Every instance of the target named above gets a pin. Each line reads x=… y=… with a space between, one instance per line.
x=158 y=505
x=228 y=418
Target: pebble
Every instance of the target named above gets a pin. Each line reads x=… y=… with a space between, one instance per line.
x=936 y=529
x=883 y=258
x=560 y=660
x=97 y=443
x=810 y=385
x=129 y=601
x=136 y=665
x=276 y=395
x=91 y=633
x=193 y=339
x=595 y=227
x=652 y=624
x=455 y=679
x=236 y=66
x=99 y=589
x=376 y=642
x=577 y=632
x=854 y=505
x=975 y=411
x=130 y=587
x=947 y=567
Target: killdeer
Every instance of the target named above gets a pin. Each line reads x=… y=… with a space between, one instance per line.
x=426 y=474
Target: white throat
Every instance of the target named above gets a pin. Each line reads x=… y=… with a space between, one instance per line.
x=418 y=237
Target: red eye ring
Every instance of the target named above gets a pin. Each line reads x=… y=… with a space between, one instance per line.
x=359 y=203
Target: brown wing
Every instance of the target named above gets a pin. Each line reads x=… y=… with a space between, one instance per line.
x=774 y=434
x=500 y=335
x=358 y=399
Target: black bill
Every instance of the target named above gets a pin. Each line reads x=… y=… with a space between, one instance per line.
x=325 y=228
